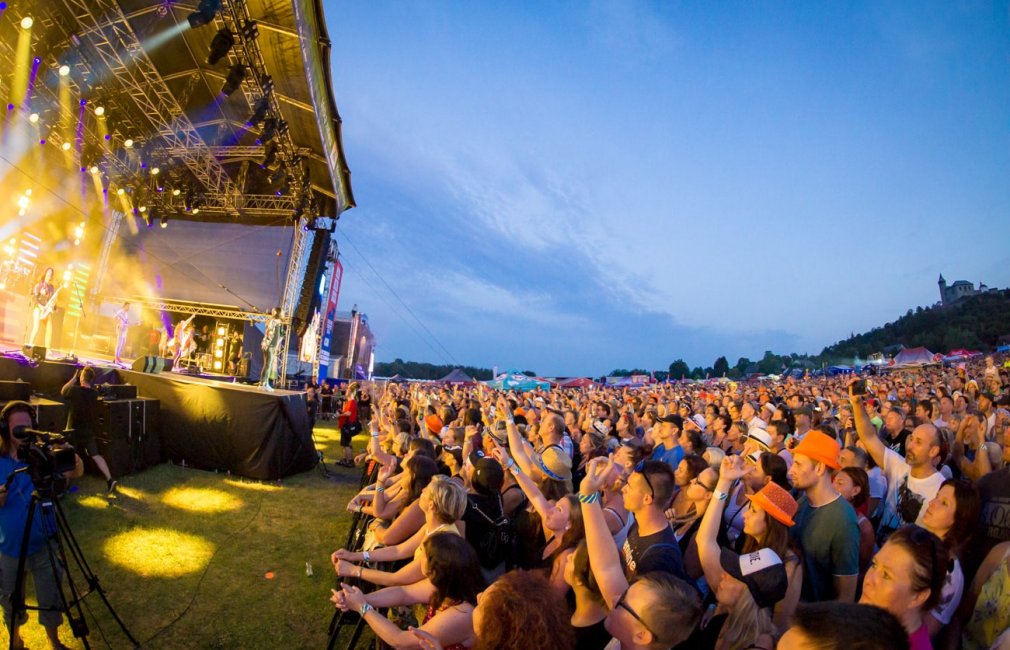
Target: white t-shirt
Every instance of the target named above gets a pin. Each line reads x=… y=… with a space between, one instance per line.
x=950 y=595
x=878 y=484
x=906 y=495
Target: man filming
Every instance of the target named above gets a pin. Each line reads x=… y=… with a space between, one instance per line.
x=15 y=497
x=82 y=402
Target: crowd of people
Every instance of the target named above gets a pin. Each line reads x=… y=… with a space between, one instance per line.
x=825 y=512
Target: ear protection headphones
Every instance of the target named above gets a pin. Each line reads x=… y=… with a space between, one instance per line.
x=17 y=406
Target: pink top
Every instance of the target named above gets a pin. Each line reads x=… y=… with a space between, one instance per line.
x=919 y=640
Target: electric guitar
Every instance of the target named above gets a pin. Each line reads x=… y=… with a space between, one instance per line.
x=50 y=305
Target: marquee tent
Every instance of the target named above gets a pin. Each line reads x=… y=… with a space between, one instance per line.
x=457 y=376
x=577 y=382
x=515 y=380
x=913 y=358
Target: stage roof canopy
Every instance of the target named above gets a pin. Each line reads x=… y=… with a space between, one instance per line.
x=147 y=66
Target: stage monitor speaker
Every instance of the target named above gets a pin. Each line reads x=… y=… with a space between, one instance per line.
x=152 y=364
x=34 y=352
x=117 y=391
x=15 y=390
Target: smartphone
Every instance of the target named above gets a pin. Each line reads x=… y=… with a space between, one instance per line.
x=859 y=387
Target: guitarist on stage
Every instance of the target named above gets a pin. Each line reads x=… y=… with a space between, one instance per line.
x=43 y=300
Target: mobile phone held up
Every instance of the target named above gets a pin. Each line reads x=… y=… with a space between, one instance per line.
x=858 y=387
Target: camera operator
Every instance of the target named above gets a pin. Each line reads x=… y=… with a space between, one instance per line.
x=15 y=498
x=81 y=416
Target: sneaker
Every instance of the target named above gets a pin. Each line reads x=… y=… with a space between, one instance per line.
x=113 y=483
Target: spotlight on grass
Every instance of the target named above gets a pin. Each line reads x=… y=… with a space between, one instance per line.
x=254 y=486
x=201 y=500
x=159 y=552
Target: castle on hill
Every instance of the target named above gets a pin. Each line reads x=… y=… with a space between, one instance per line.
x=960 y=289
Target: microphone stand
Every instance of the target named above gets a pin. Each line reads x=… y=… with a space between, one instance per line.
x=77 y=325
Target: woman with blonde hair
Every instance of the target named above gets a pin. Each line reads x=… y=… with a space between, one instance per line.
x=746 y=590
x=442 y=502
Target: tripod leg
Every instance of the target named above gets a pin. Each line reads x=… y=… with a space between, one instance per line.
x=67 y=535
x=17 y=602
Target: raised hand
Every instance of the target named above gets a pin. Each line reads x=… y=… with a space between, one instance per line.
x=597 y=473
x=733 y=468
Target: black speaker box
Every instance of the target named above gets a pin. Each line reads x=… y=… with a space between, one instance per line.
x=34 y=352
x=152 y=364
x=118 y=391
x=130 y=429
x=15 y=390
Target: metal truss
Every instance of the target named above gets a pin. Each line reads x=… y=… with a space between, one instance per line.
x=108 y=32
x=293 y=282
x=111 y=234
x=269 y=206
x=236 y=17
x=245 y=152
x=215 y=311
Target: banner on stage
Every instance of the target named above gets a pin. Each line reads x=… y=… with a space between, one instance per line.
x=330 y=315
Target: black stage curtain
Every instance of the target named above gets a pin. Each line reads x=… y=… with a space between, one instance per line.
x=48 y=377
x=230 y=427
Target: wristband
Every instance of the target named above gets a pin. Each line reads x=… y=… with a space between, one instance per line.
x=591 y=498
x=366 y=556
x=360 y=569
x=365 y=608
x=380 y=489
x=360 y=507
x=375 y=434
x=721 y=496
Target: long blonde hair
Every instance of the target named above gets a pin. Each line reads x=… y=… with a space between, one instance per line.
x=745 y=623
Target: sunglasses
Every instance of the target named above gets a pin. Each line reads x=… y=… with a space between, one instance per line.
x=623 y=604
x=640 y=468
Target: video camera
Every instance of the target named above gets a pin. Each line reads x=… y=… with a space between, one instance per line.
x=48 y=455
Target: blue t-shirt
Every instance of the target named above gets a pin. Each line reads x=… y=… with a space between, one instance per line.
x=14 y=513
x=671 y=457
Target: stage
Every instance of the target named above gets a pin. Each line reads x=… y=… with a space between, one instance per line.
x=205 y=423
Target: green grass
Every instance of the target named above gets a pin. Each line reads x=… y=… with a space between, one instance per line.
x=183 y=556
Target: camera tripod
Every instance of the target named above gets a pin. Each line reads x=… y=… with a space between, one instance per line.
x=56 y=526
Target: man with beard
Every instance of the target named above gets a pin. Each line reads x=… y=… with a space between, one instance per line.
x=912 y=481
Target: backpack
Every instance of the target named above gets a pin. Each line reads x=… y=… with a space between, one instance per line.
x=498 y=544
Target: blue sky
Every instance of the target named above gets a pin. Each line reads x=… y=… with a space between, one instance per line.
x=573 y=187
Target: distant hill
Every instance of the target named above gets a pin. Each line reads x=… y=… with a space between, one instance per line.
x=975 y=323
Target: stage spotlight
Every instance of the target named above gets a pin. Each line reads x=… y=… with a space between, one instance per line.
x=250 y=30
x=155 y=171
x=204 y=13
x=120 y=191
x=27 y=22
x=164 y=222
x=34 y=118
x=128 y=143
x=220 y=46
x=94 y=169
x=143 y=208
x=270 y=157
x=236 y=74
x=269 y=130
x=64 y=70
x=176 y=192
x=100 y=111
x=260 y=110
x=65 y=146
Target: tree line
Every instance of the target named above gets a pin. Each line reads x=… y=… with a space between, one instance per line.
x=976 y=323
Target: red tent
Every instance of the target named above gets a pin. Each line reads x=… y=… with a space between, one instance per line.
x=961 y=352
x=577 y=382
